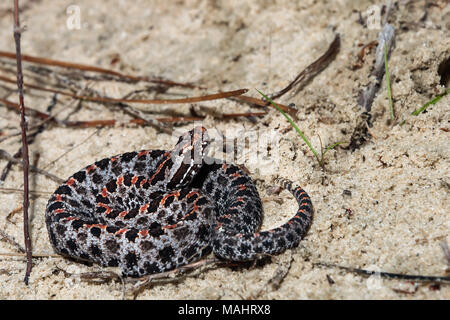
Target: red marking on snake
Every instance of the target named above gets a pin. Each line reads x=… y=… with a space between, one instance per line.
x=163 y=200
x=143 y=233
x=71 y=218
x=167 y=155
x=96 y=225
x=121 y=231
x=108 y=209
x=123 y=214
x=143 y=153
x=190 y=194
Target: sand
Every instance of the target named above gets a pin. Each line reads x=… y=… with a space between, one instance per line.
x=381 y=207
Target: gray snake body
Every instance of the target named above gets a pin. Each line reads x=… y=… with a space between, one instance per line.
x=153 y=210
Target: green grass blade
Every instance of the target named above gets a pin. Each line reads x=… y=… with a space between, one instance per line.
x=331 y=147
x=432 y=101
x=293 y=124
x=388 y=84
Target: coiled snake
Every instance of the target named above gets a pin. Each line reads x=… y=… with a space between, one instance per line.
x=153 y=210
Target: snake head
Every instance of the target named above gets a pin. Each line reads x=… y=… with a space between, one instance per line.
x=187 y=156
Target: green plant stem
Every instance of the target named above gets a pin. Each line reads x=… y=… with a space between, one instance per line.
x=432 y=101
x=388 y=84
x=294 y=125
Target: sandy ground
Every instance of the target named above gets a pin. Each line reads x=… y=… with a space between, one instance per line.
x=395 y=216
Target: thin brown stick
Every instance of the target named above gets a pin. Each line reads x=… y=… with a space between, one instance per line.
x=146 y=280
x=113 y=122
x=8 y=166
x=85 y=67
x=13 y=213
x=313 y=69
x=11 y=240
x=28 y=111
x=30 y=139
x=26 y=200
x=35 y=255
x=32 y=192
x=215 y=96
x=36 y=127
x=259 y=102
x=6 y=155
x=388 y=275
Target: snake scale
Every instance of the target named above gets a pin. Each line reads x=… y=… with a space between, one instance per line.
x=152 y=211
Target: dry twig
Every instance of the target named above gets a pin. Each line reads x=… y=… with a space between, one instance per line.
x=146 y=280
x=388 y=275
x=312 y=70
x=85 y=67
x=113 y=122
x=10 y=240
x=6 y=155
x=26 y=200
